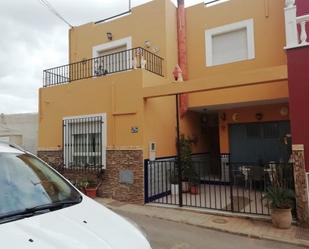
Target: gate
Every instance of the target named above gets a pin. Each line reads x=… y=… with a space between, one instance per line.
x=237 y=187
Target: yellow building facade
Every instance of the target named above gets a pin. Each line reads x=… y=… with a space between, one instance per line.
x=237 y=75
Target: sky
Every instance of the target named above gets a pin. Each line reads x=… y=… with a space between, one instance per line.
x=33 y=39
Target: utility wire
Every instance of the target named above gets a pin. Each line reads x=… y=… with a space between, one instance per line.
x=54 y=11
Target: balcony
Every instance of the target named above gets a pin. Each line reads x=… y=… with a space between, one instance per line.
x=295 y=27
x=104 y=65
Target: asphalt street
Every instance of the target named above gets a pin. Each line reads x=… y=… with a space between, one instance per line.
x=164 y=234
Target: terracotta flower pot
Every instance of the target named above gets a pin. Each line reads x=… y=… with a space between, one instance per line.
x=281 y=218
x=185 y=187
x=91 y=192
x=194 y=190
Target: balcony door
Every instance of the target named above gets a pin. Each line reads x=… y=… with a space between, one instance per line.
x=114 y=59
x=111 y=57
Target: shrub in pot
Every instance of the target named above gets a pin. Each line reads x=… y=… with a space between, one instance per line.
x=90 y=188
x=185 y=159
x=194 y=189
x=194 y=182
x=281 y=200
x=80 y=186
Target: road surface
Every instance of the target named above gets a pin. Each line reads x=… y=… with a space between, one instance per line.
x=164 y=234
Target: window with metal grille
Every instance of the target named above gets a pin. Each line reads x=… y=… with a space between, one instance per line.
x=85 y=141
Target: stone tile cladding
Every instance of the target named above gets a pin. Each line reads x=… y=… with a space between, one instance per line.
x=118 y=160
x=301 y=189
x=109 y=179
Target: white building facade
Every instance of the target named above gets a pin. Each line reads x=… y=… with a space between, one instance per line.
x=20 y=129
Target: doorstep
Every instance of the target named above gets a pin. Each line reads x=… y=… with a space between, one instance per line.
x=260 y=228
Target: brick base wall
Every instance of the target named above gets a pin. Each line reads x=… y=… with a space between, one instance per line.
x=301 y=189
x=53 y=157
x=123 y=178
x=128 y=163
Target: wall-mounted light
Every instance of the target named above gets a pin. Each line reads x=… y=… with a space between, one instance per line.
x=284 y=111
x=109 y=36
x=235 y=116
x=259 y=116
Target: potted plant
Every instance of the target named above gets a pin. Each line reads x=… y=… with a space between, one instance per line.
x=90 y=188
x=174 y=180
x=281 y=200
x=79 y=185
x=185 y=160
x=194 y=182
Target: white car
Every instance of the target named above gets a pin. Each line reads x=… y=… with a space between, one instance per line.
x=39 y=209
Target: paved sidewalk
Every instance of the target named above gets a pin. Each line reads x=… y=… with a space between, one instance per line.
x=240 y=226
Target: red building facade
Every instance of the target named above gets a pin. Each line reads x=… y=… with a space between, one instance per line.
x=298 y=74
x=297 y=49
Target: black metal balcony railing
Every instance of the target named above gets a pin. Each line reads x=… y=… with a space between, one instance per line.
x=107 y=64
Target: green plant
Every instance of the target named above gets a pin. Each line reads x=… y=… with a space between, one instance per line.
x=194 y=179
x=279 y=194
x=78 y=184
x=281 y=175
x=279 y=197
x=88 y=184
x=185 y=158
x=174 y=177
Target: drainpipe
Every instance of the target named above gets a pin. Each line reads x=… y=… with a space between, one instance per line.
x=182 y=51
x=178 y=165
x=182 y=39
x=182 y=99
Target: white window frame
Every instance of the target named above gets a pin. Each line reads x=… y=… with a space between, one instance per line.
x=210 y=33
x=104 y=136
x=210 y=3
x=127 y=41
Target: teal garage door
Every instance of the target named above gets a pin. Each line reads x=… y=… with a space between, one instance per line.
x=260 y=142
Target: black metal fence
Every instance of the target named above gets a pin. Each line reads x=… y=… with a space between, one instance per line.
x=103 y=65
x=83 y=143
x=237 y=187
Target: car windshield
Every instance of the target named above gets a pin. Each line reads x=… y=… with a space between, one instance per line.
x=27 y=183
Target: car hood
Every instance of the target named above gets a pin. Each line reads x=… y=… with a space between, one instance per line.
x=87 y=225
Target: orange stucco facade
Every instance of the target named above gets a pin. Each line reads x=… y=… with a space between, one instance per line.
x=141 y=99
